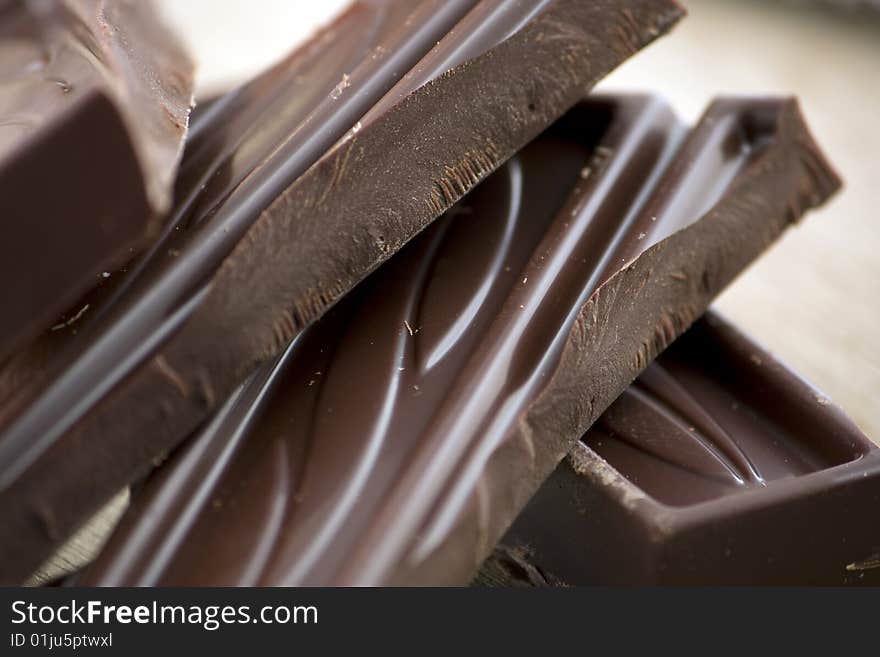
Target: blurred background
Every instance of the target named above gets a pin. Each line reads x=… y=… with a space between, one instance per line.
x=814 y=299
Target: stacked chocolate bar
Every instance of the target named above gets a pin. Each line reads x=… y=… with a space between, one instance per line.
x=404 y=271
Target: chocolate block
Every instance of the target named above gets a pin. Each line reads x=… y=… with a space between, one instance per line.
x=397 y=438
x=94 y=104
x=717 y=466
x=383 y=150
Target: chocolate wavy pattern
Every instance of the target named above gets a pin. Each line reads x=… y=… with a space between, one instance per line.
x=685 y=436
x=703 y=445
x=380 y=423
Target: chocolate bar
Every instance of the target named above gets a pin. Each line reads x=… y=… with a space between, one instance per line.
x=94 y=104
x=396 y=439
x=717 y=466
x=433 y=96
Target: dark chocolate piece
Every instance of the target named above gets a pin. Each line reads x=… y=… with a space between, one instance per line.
x=314 y=222
x=399 y=435
x=718 y=466
x=94 y=104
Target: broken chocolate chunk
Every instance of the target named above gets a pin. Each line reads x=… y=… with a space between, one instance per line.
x=94 y=105
x=718 y=466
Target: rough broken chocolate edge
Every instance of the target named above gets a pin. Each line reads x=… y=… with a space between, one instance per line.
x=562 y=53
x=645 y=305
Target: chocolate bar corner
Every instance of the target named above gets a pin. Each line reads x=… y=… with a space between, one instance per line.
x=94 y=106
x=718 y=466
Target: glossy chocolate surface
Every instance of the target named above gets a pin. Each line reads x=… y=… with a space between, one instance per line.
x=94 y=104
x=686 y=432
x=377 y=424
x=296 y=187
x=718 y=465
